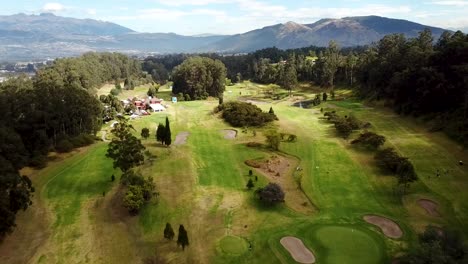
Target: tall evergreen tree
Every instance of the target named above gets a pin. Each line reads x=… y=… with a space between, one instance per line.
x=161 y=133
x=168 y=232
x=182 y=239
x=167 y=134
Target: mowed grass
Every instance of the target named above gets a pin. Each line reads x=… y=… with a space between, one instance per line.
x=81 y=178
x=201 y=185
x=346 y=244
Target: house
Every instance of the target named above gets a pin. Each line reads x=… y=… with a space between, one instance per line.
x=157 y=107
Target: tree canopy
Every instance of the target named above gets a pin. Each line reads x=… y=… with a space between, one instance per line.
x=125 y=149
x=270 y=194
x=241 y=114
x=199 y=77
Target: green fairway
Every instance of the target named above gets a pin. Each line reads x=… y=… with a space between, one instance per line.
x=347 y=244
x=202 y=185
x=80 y=179
x=233 y=245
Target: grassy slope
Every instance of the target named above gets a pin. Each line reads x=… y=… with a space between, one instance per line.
x=201 y=185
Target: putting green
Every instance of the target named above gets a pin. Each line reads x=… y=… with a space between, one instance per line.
x=233 y=245
x=348 y=244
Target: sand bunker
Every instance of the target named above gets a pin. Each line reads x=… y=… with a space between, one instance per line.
x=297 y=249
x=429 y=206
x=181 y=138
x=229 y=133
x=388 y=227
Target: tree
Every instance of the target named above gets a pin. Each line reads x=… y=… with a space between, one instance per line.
x=369 y=140
x=350 y=64
x=332 y=60
x=182 y=239
x=343 y=127
x=288 y=77
x=145 y=133
x=133 y=199
x=167 y=133
x=241 y=114
x=168 y=232
x=125 y=149
x=199 y=77
x=270 y=194
x=250 y=184
x=161 y=133
x=437 y=245
x=273 y=139
x=151 y=91
x=406 y=174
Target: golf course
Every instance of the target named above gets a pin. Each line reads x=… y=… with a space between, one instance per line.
x=339 y=206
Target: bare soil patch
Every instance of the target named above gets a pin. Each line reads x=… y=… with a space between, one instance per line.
x=388 y=227
x=297 y=249
x=279 y=169
x=229 y=133
x=430 y=207
x=181 y=138
x=252 y=101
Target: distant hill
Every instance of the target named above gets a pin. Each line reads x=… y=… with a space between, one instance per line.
x=26 y=37
x=348 y=31
x=50 y=23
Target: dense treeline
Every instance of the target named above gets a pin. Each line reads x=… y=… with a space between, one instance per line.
x=199 y=77
x=91 y=70
x=56 y=109
x=419 y=78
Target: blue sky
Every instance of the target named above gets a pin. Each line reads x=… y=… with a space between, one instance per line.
x=191 y=17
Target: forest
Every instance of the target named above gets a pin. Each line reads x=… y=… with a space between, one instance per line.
x=38 y=115
x=421 y=77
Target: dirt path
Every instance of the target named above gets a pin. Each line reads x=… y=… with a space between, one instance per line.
x=181 y=138
x=430 y=207
x=229 y=133
x=297 y=249
x=388 y=227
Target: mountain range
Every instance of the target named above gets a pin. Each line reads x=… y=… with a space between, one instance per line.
x=27 y=37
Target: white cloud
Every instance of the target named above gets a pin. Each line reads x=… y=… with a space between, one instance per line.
x=192 y=2
x=91 y=12
x=53 y=7
x=253 y=14
x=450 y=3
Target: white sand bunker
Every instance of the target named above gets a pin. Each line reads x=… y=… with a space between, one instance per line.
x=388 y=227
x=297 y=249
x=181 y=138
x=430 y=207
x=229 y=133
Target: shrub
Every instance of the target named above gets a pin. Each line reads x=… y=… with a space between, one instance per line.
x=115 y=91
x=370 y=140
x=273 y=139
x=82 y=140
x=388 y=159
x=38 y=161
x=270 y=194
x=241 y=114
x=133 y=199
x=64 y=146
